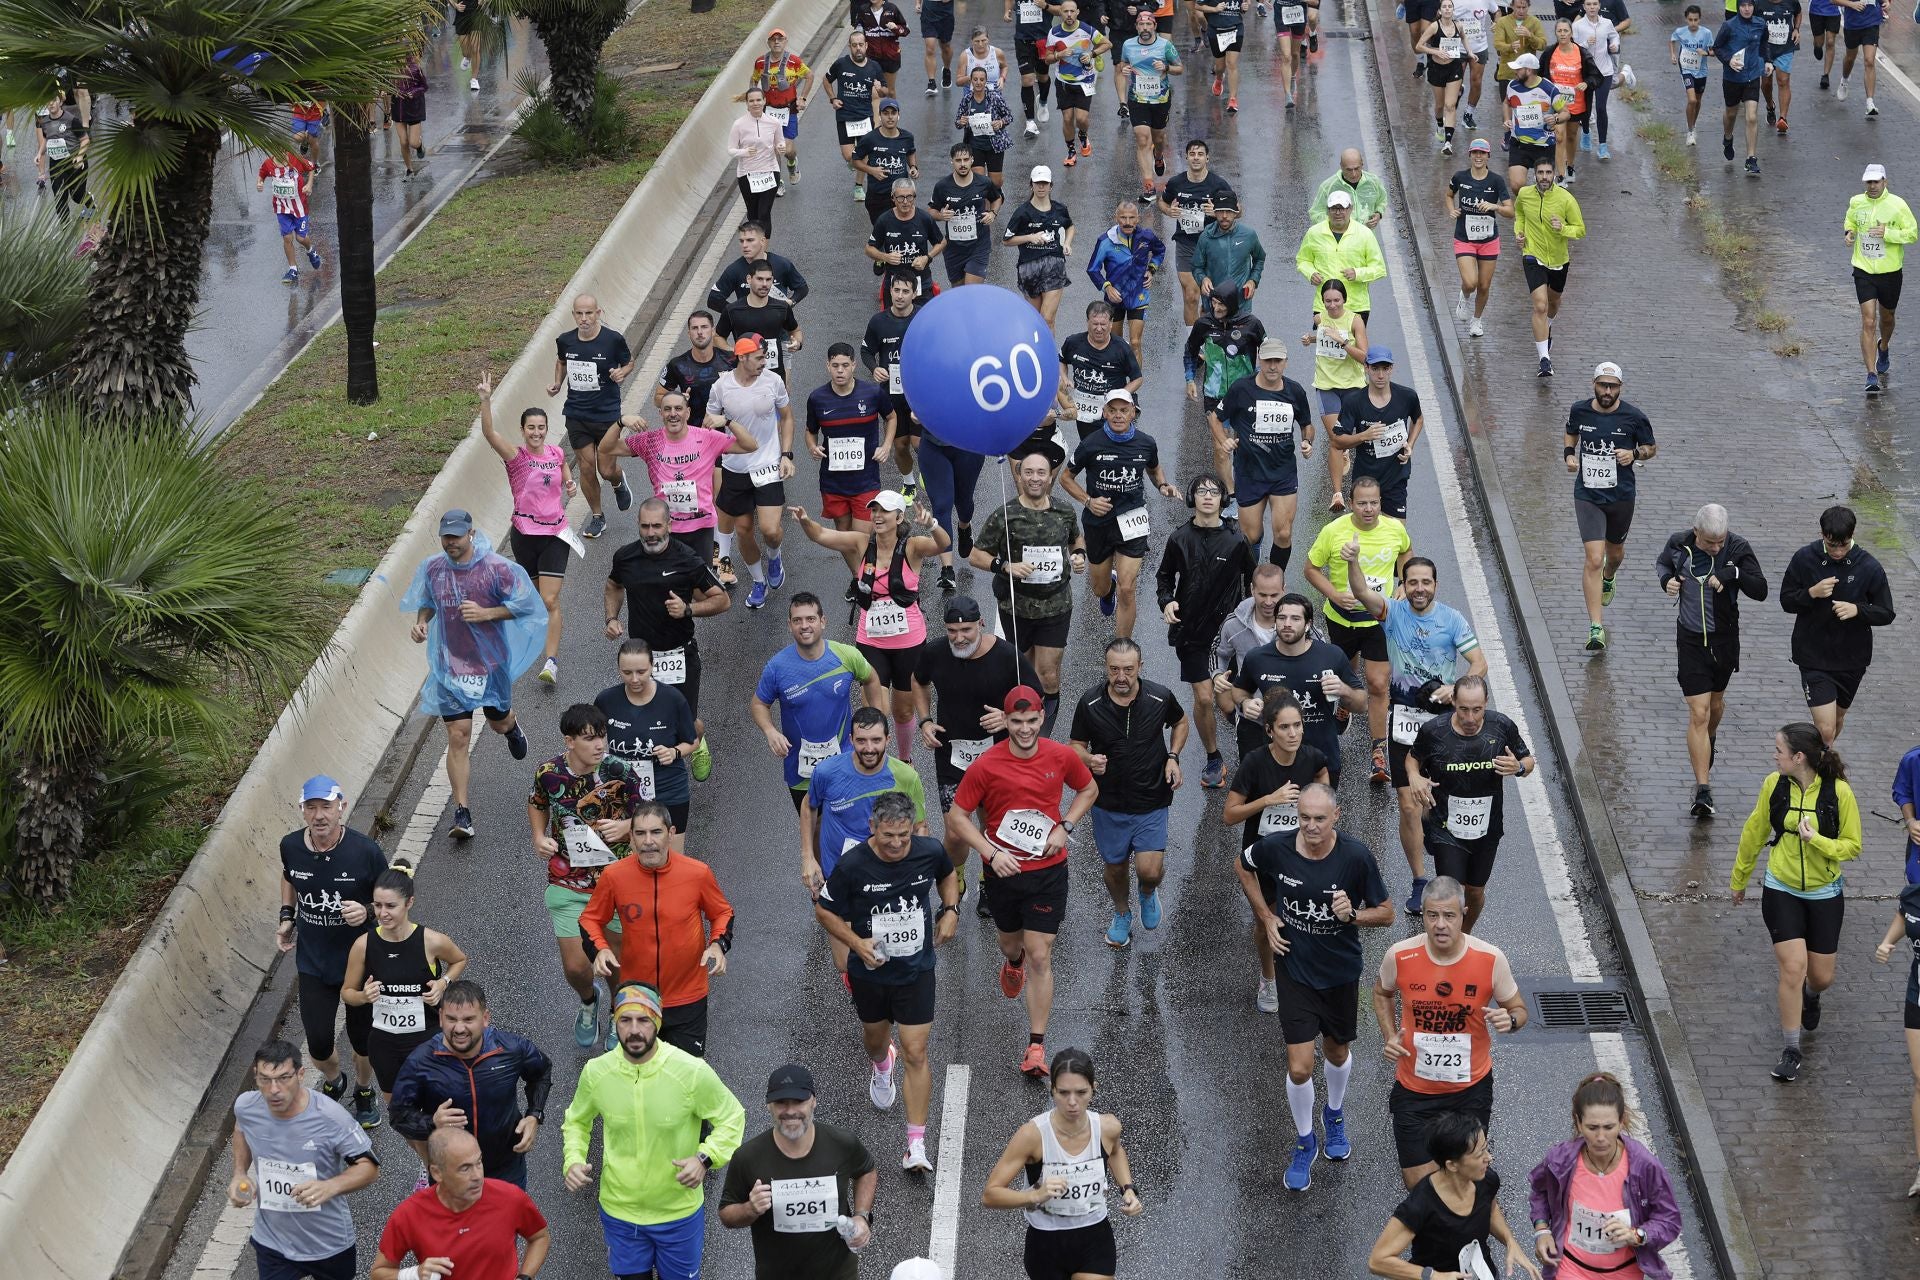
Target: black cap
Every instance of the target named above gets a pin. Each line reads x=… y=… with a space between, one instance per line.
x=963 y=609
x=1226 y=200
x=791 y=1083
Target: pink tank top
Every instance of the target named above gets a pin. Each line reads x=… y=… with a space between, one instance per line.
x=888 y=625
x=539 y=484
x=1591 y=1199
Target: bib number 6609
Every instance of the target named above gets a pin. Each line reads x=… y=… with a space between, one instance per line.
x=991 y=391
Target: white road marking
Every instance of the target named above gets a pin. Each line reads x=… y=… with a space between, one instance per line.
x=945 y=1240
x=1582 y=963
x=1610 y=1052
x=1899 y=77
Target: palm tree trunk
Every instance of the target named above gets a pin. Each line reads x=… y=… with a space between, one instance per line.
x=353 y=205
x=573 y=41
x=51 y=830
x=132 y=363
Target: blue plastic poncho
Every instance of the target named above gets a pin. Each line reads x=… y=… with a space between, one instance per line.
x=474 y=664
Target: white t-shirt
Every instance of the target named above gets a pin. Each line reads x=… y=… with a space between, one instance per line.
x=1599 y=38
x=757 y=407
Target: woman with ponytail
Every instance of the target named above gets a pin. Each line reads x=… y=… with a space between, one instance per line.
x=1808 y=821
x=1602 y=1205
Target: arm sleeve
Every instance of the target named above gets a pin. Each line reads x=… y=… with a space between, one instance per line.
x=536 y=1073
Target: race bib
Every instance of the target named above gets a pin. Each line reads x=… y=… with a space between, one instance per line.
x=282 y=188
x=1378 y=582
x=1149 y=84
x=276 y=1180
x=772 y=348
x=1134 y=523
x=670 y=666
x=1479 y=227
x=1599 y=470
x=57 y=149
x=643 y=777
x=1470 y=29
x=886 y=620
x=761 y=181
x=1329 y=343
x=1086 y=1191
x=858 y=128
x=900 y=933
x=812 y=753
x=963 y=227
x=1777 y=32
x=583 y=375
x=764 y=476
x=1873 y=248
x=471 y=687
x=681 y=497
x=1279 y=817
x=399 y=1015
x=1530 y=115
x=584 y=846
x=1025 y=830
x=981 y=123
x=1030 y=12
x=1587 y=1228
x=1473 y=1262
x=1405 y=723
x=779 y=115
x=1272 y=418
x=1086 y=405
x=1049 y=564
x=1443 y=1059
x=1393 y=440
x=1469 y=817
x=1293 y=15
x=1192 y=219
x=849 y=453
x=1690 y=61
x=965 y=751
x=1228 y=40
x=1451 y=46
x=894 y=385
x=803 y=1205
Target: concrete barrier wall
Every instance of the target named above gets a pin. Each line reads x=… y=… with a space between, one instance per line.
x=75 y=1188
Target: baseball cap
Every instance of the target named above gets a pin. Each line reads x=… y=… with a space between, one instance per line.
x=1118 y=393
x=791 y=1083
x=1338 y=200
x=927 y=1268
x=777 y=31
x=1479 y=144
x=457 y=523
x=1608 y=369
x=746 y=343
x=889 y=104
x=963 y=609
x=1874 y=173
x=1379 y=355
x=321 y=787
x=1273 y=349
x=1022 y=693
x=1527 y=61
x=888 y=500
x=1227 y=202
x=1040 y=174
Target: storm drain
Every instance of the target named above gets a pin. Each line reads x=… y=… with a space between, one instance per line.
x=1594 y=1009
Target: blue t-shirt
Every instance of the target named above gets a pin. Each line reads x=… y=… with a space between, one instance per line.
x=1425 y=646
x=853 y=420
x=1699 y=43
x=1906 y=790
x=1856 y=19
x=815 y=699
x=1823 y=8
x=842 y=798
x=1141 y=58
x=1077 y=67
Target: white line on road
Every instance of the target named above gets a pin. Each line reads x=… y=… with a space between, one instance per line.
x=944 y=1243
x=1610 y=1052
x=1899 y=77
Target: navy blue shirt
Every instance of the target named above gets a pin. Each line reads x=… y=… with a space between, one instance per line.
x=849 y=430
x=587 y=375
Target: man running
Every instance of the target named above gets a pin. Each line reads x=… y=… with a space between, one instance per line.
x=1340 y=248
x=1534 y=108
x=1248 y=627
x=1072 y=48
x=1860 y=23
x=794 y=1184
x=1145 y=63
x=1545 y=218
x=753 y=486
x=905 y=240
x=1030 y=34
x=1228 y=258
x=854 y=88
x=884 y=156
x=878 y=904
x=838 y=813
x=292 y=178
x=1605 y=436
x=787 y=82
x=812 y=682
x=1879 y=226
x=438 y=1087
x=1314 y=671
x=1706 y=569
x=682 y=461
x=1691 y=45
x=654 y=1101
x=1124 y=263
x=760 y=315
x=1118 y=460
x=1364 y=190
x=1312 y=890
x=1205 y=572
x=1379 y=425
x=1257 y=423
x=1837 y=593
x=460 y=1221
x=692 y=374
x=880 y=352
x=1226 y=30
x=789 y=286
x=1015 y=787
x=590 y=364
x=1092 y=363
x=1188 y=198
x=1740 y=45
x=966 y=206
x=1781 y=18
x=1033 y=546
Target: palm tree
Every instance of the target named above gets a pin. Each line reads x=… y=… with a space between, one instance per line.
x=192 y=74
x=353 y=210
x=138 y=576
x=573 y=32
x=43 y=293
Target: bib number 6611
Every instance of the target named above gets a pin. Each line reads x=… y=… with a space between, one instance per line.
x=992 y=391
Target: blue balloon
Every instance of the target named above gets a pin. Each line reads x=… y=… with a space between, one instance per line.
x=980 y=368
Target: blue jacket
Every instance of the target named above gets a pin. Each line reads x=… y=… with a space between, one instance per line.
x=1123 y=263
x=1737 y=34
x=486 y=1087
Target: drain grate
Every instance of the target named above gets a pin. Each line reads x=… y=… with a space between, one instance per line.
x=1595 y=1009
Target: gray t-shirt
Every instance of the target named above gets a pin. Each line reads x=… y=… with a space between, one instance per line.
x=315 y=1145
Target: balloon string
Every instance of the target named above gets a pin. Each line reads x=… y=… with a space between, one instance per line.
x=1013 y=583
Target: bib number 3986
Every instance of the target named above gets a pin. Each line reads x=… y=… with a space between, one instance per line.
x=1025 y=830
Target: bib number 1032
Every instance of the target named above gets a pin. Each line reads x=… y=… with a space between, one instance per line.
x=993 y=390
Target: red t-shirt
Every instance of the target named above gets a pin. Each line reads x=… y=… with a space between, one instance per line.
x=285 y=176
x=1002 y=785
x=481 y=1241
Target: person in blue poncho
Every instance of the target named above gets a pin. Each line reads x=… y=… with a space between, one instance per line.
x=483 y=625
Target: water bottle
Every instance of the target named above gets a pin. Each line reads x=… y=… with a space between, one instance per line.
x=880 y=950
x=845 y=1226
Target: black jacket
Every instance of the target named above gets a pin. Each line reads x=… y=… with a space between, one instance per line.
x=789 y=286
x=1208 y=572
x=1822 y=642
x=1704 y=612
x=486 y=1087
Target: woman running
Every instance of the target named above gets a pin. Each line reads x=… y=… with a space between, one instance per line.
x=1602 y=1204
x=537 y=474
x=401 y=968
x=1906 y=923
x=1571 y=69
x=1478 y=198
x=1446 y=1219
x=1339 y=342
x=1445 y=47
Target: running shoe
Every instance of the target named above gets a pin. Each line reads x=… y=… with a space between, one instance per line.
x=1872 y=110
x=1160 y=166
x=1446 y=148
x=1883 y=364
x=723 y=570
x=1692 y=138
x=1606 y=592
x=586 y=1023
x=910 y=489
x=1300 y=1168
x=1086 y=147
x=1416 y=897
x=474 y=84
x=1463 y=309
x=366 y=1108
x=1013 y=979
x=1586 y=140
x=1218 y=85
x=1781 y=127
x=915 y=1161
x=981 y=907
x=1772 y=115
x=1873 y=384
x=466 y=63
x=1840 y=90
x=1335 y=1123
x=1233 y=106
x=1809 y=1008
x=1596 y=638
x=1073 y=158
x=880 y=1088
x=517 y=742
x=1107 y=605
x=1379 y=775
x=462 y=828
x=622 y=493
x=1150 y=909
x=1148 y=191
x=313 y=258
x=1476 y=329
x=1568 y=180
x=9 y=137
x=1914 y=1190
x=1215 y=773
x=701 y=760
x=757 y=596
x=550 y=672
x=1546 y=366
x=595 y=526
x=1266 y=996
x=1726 y=148
x=776 y=572
x=1034 y=1062
x=1753 y=166
x=1290 y=101
x=335 y=1088
x=963 y=539
x=1703 y=801
x=1787 y=1070
x=1439 y=132
x=1601 y=151
x=1120 y=932
x=1033 y=129
x=1313 y=41
x=933 y=90
x=946 y=581
x=1337 y=503
x=1466 y=120
x=292 y=276
x=946 y=77
x=1825 y=83
x=859 y=193
x=613 y=1038
x=1045 y=114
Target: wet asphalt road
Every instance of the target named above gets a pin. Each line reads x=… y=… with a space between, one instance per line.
x=1185 y=1060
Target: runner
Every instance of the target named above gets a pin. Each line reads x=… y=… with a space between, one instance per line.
x=850 y=427
x=1691 y=45
x=1455 y=990
x=1739 y=45
x=1067 y=1153
x=1477 y=197
x=1860 y=22
x=1222 y=349
x=681 y=464
x=878 y=904
x=1516 y=32
x=1256 y=423
x=968 y=203
x=1339 y=249
x=1826 y=36
x=1264 y=796
x=1228 y=256
x=1123 y=265
x=1571 y=68
x=1226 y=32
x=1809 y=823
x=1837 y=593
x=1188 y=199
x=1782 y=21
x=1030 y=48
x=760 y=315
x=1205 y=572
x=1706 y=569
x=1339 y=343
x=1605 y=436
x=1313 y=889
x=292 y=178
x=462 y=1223
x=327 y=876
x=537 y=475
x=1247 y=628
x=1906 y=923
x=467 y=17
x=1545 y=218
x=1446 y=1221
x=1595 y=32
x=438 y=1087
x=1380 y=426
x=1316 y=673
x=297 y=1155
x=1076 y=50
x=981 y=54
x=787 y=81
x=854 y=90
x=693 y=372
x=1042 y=229
x=1362 y=187
x=1092 y=363
x=796 y=1183
x=884 y=25
x=812 y=681
x=483 y=624
x=753 y=486
x=1015 y=787
x=840 y=799
x=1476 y=22
x=1142 y=68
x=308 y=123
x=1879 y=226
x=1601 y=1200
x=1381 y=551
x=1444 y=46
x=1118 y=461
x=755 y=143
x=936 y=26
x=905 y=241
x=1290 y=33
x=401 y=971
x=1031 y=546
x=590 y=363
x=1535 y=109
x=884 y=155
x=654 y=1101
x=651 y=730
x=61 y=153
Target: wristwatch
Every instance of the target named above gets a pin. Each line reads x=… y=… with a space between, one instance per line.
x=944 y=908
x=787 y=454
x=706 y=1161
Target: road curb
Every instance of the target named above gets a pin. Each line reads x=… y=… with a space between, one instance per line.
x=1731 y=1243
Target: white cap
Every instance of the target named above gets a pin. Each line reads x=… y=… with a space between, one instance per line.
x=888 y=500
x=1040 y=174
x=1608 y=369
x=1118 y=393
x=1874 y=173
x=917 y=1269
x=1527 y=61
x=1336 y=199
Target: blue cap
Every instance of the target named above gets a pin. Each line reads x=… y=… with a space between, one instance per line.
x=456 y=524
x=889 y=104
x=321 y=787
x=1379 y=355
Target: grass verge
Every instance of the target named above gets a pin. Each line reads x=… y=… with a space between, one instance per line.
x=462 y=296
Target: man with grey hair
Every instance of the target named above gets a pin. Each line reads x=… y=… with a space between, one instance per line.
x=905 y=241
x=1706 y=569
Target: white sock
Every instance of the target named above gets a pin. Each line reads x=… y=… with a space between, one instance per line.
x=1540 y=348
x=1337 y=1078
x=725 y=542
x=758 y=569
x=1300 y=1102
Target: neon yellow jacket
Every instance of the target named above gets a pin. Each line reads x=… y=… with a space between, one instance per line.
x=1892 y=212
x=1805 y=865
x=650 y=1113
x=1530 y=213
x=1320 y=254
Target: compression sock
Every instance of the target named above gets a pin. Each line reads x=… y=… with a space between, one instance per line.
x=1026 y=99
x=1045 y=87
x=1337 y=1078
x=903 y=739
x=1300 y=1102
x=724 y=542
x=1277 y=554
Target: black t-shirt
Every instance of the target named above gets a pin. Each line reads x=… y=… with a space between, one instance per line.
x=1467 y=792
x=1267 y=424
x=1600 y=477
x=772 y=322
x=1096 y=371
x=1439 y=1234
x=1469 y=192
x=649 y=580
x=1230 y=16
x=911 y=238
x=799 y=1255
x=853 y=84
x=880 y=348
x=1054 y=220
x=1777 y=16
x=1115 y=469
x=1259 y=774
x=898 y=898
x=1133 y=738
x=1031 y=21
x=587 y=373
x=1322 y=953
x=890 y=156
x=789 y=286
x=950 y=197
x=633 y=731
x=321 y=882
x=1381 y=458
x=1184 y=193
x=963 y=688
x=1266 y=667
x=695 y=380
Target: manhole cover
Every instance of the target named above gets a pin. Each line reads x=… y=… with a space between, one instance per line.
x=1586 y=1009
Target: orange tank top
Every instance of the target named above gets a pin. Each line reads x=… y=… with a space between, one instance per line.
x=1563 y=68
x=1443 y=1022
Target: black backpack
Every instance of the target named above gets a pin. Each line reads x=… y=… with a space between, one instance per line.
x=1826 y=808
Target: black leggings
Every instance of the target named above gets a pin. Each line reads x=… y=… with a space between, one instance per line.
x=759 y=203
x=1597 y=96
x=319 y=1005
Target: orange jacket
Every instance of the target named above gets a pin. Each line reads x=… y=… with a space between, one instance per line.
x=667 y=917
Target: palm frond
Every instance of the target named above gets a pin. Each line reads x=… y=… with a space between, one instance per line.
x=43 y=291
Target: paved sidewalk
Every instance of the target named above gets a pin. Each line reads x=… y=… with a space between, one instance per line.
x=1819 y=1166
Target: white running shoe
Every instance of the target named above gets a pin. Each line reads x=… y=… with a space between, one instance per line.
x=880 y=1088
x=1476 y=329
x=465 y=63
x=1033 y=129
x=1690 y=141
x=1840 y=90
x=1045 y=115
x=916 y=1158
x=1914 y=1190
x=1462 y=310
x=474 y=84
x=1266 y=998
